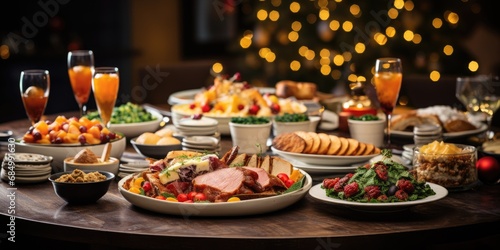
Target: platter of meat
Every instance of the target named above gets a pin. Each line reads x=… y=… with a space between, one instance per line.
x=233 y=185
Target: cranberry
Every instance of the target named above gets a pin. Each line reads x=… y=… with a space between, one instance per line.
x=275 y=108
x=241 y=106
x=192 y=106
x=112 y=136
x=254 y=109
x=104 y=138
x=206 y=108
x=197 y=116
x=37 y=136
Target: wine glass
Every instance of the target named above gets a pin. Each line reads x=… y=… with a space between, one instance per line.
x=105 y=84
x=35 y=87
x=488 y=95
x=467 y=93
x=387 y=81
x=80 y=68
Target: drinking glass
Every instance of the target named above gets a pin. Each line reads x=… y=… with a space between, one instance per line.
x=467 y=93
x=105 y=84
x=80 y=68
x=387 y=82
x=488 y=95
x=35 y=87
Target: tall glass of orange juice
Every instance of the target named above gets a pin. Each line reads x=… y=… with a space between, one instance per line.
x=105 y=84
x=387 y=81
x=35 y=87
x=80 y=68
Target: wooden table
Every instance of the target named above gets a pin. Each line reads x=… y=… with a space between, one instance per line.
x=460 y=220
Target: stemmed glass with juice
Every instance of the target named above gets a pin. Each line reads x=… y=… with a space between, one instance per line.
x=387 y=80
x=35 y=87
x=105 y=84
x=80 y=69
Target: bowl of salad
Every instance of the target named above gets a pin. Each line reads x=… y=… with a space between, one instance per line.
x=132 y=119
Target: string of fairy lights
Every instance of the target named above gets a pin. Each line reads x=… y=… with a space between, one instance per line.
x=347 y=36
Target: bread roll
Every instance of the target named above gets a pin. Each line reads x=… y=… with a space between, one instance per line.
x=299 y=90
x=167 y=140
x=148 y=138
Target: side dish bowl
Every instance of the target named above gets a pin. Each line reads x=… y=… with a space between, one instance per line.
x=81 y=192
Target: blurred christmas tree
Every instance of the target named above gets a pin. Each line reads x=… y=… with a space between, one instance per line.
x=336 y=42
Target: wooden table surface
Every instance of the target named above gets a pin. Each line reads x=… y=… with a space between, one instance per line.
x=460 y=220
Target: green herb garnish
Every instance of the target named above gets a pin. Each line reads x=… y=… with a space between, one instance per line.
x=250 y=120
x=292 y=118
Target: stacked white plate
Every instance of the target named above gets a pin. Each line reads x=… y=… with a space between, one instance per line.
x=191 y=126
x=132 y=167
x=25 y=168
x=407 y=154
x=202 y=143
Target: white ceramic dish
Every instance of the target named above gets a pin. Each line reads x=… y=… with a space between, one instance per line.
x=328 y=160
x=451 y=135
x=240 y=208
x=131 y=130
x=318 y=193
x=321 y=169
x=187 y=96
x=59 y=152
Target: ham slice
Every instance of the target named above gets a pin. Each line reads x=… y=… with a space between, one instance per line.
x=221 y=184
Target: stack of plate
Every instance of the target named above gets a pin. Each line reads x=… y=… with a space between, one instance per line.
x=201 y=143
x=200 y=134
x=202 y=126
x=25 y=168
x=132 y=167
x=407 y=154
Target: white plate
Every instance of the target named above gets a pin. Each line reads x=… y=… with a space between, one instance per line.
x=201 y=140
x=35 y=179
x=245 y=207
x=187 y=96
x=328 y=160
x=203 y=122
x=320 y=194
x=320 y=169
x=451 y=135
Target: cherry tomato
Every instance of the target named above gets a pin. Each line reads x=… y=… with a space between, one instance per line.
x=146 y=186
x=283 y=177
x=200 y=197
x=289 y=183
x=182 y=197
x=191 y=195
x=160 y=197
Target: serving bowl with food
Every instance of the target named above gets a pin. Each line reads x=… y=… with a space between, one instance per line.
x=228 y=98
x=132 y=119
x=88 y=160
x=65 y=137
x=81 y=186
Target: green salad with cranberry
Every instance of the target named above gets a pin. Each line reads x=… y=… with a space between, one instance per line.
x=380 y=182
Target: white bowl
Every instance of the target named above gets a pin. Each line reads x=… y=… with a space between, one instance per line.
x=131 y=130
x=109 y=166
x=222 y=126
x=59 y=152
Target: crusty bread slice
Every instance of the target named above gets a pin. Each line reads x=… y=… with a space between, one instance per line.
x=344 y=144
x=369 y=149
x=289 y=142
x=266 y=163
x=361 y=149
x=316 y=141
x=324 y=144
x=280 y=166
x=239 y=160
x=335 y=145
x=307 y=139
x=253 y=161
x=353 y=146
x=406 y=122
